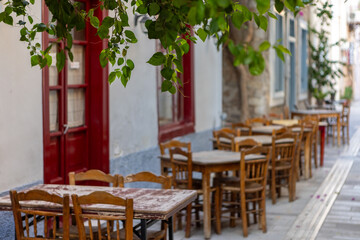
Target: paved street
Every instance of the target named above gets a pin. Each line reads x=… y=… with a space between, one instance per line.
x=327 y=205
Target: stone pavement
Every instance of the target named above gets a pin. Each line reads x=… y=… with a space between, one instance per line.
x=327 y=205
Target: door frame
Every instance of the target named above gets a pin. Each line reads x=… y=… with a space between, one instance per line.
x=98 y=102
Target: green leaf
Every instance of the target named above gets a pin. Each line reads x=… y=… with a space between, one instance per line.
x=202 y=34
x=48 y=60
x=192 y=16
x=279 y=6
x=167 y=73
x=272 y=15
x=120 y=61
x=107 y=22
x=263 y=23
x=112 y=77
x=157 y=59
x=8 y=20
x=223 y=3
x=178 y=64
x=166 y=85
x=124 y=20
x=279 y=53
x=103 y=59
x=34 y=60
x=30 y=19
x=129 y=34
x=257 y=19
x=179 y=3
x=130 y=64
x=237 y=19
x=154 y=9
x=60 y=60
x=262 y=6
x=94 y=21
x=185 y=47
x=172 y=90
x=264 y=46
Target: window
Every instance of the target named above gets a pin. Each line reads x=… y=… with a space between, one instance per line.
x=176 y=111
x=279 y=65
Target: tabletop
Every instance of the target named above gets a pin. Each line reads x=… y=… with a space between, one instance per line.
x=148 y=203
x=262 y=139
x=316 y=111
x=213 y=157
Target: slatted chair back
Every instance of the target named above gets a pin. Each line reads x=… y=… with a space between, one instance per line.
x=283 y=149
x=181 y=169
x=172 y=144
x=149 y=177
x=299 y=130
x=279 y=131
x=246 y=144
x=257 y=121
x=272 y=116
x=50 y=222
x=225 y=138
x=254 y=171
x=94 y=175
x=245 y=129
x=95 y=232
x=345 y=113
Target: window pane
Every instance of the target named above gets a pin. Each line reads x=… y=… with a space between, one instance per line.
x=76 y=107
x=76 y=68
x=54 y=110
x=279 y=65
x=165 y=108
x=304 y=65
x=292 y=28
x=53 y=73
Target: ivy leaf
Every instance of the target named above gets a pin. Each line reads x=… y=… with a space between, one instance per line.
x=264 y=46
x=279 y=6
x=130 y=64
x=179 y=3
x=172 y=90
x=262 y=6
x=60 y=60
x=34 y=60
x=129 y=34
x=94 y=21
x=167 y=73
x=157 y=59
x=166 y=85
x=120 y=61
x=202 y=34
x=112 y=77
x=257 y=19
x=272 y=15
x=179 y=66
x=103 y=59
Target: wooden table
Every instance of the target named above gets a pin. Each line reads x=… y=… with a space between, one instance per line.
x=149 y=204
x=265 y=140
x=322 y=114
x=207 y=162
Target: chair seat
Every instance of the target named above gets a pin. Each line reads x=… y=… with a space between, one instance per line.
x=281 y=166
x=249 y=187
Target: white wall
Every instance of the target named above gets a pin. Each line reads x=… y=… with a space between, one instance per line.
x=208 y=85
x=21 y=142
x=133 y=110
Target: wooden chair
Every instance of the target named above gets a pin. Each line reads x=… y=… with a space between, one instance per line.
x=103 y=198
x=165 y=184
x=17 y=200
x=279 y=131
x=251 y=187
x=257 y=121
x=183 y=179
x=299 y=146
x=245 y=129
x=225 y=138
x=282 y=165
x=313 y=123
x=166 y=146
x=93 y=175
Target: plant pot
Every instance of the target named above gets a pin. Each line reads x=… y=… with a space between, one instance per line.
x=319 y=102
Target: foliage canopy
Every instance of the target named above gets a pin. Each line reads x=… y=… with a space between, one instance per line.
x=169 y=21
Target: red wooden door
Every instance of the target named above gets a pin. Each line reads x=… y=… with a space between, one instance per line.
x=75 y=128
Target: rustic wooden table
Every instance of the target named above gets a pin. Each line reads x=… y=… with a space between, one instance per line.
x=149 y=204
x=322 y=114
x=207 y=162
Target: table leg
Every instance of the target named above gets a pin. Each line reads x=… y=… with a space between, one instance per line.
x=206 y=204
x=322 y=144
x=170 y=226
x=307 y=155
x=338 y=129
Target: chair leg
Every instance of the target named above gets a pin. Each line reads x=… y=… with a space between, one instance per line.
x=263 y=213
x=188 y=221
x=233 y=210
x=333 y=135
x=244 y=215
x=273 y=187
x=347 y=134
x=315 y=154
x=217 y=211
x=343 y=134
